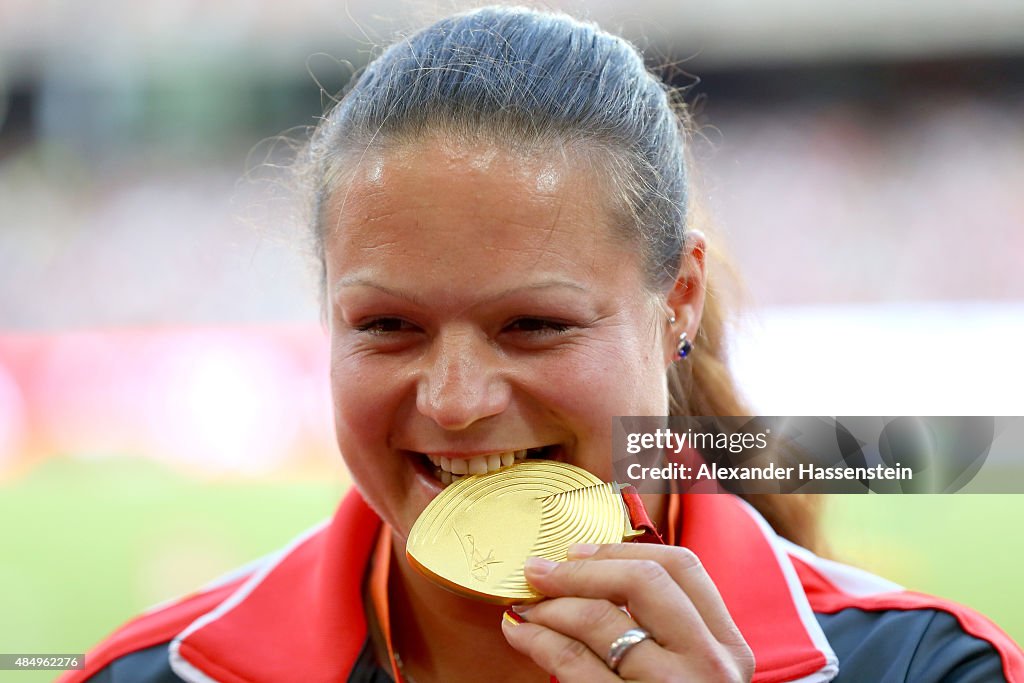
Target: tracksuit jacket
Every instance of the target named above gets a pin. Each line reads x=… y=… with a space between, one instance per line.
x=299 y=617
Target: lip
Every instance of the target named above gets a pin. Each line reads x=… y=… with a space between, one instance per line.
x=425 y=475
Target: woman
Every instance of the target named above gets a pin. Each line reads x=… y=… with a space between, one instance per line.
x=509 y=261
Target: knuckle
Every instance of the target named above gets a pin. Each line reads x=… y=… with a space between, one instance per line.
x=569 y=655
x=684 y=558
x=649 y=571
x=719 y=670
x=731 y=665
x=597 y=611
x=740 y=651
x=568 y=571
x=745 y=659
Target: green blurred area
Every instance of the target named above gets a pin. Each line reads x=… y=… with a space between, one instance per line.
x=968 y=547
x=88 y=544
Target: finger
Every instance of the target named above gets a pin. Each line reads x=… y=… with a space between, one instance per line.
x=567 y=659
x=646 y=589
x=597 y=624
x=686 y=570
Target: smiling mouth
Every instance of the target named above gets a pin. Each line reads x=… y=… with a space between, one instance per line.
x=448 y=470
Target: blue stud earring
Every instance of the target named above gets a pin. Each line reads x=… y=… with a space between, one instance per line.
x=684 y=348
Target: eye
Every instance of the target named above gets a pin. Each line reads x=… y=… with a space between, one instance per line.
x=385 y=326
x=537 y=326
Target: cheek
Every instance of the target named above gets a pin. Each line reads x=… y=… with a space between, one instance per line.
x=364 y=398
x=605 y=380
x=629 y=381
x=624 y=376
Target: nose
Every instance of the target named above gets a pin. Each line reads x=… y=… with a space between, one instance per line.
x=462 y=381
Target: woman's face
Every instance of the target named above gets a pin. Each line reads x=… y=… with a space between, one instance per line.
x=480 y=305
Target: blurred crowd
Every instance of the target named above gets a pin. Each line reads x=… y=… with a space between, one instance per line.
x=148 y=280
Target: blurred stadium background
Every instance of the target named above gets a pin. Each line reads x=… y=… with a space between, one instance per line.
x=163 y=400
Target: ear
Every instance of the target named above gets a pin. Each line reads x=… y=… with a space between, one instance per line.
x=685 y=299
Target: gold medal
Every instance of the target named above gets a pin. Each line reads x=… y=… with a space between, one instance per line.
x=475 y=536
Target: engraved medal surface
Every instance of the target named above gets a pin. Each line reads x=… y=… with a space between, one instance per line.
x=474 y=537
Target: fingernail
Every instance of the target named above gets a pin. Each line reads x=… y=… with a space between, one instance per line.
x=512 y=618
x=579 y=550
x=521 y=609
x=539 y=566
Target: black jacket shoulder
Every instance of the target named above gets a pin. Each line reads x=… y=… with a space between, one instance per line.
x=152 y=665
x=918 y=646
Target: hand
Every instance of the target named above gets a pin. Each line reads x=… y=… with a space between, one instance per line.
x=666 y=592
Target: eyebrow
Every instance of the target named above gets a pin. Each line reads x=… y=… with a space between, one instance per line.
x=357 y=281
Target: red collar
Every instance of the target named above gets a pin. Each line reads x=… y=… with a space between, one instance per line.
x=301 y=617
x=759 y=585
x=298 y=619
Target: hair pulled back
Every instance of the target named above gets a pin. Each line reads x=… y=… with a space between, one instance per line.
x=541 y=81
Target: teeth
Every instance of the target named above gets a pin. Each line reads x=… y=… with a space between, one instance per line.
x=451 y=470
x=479 y=465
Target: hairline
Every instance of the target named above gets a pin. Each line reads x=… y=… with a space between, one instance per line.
x=340 y=167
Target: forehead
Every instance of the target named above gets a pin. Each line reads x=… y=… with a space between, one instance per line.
x=471 y=206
